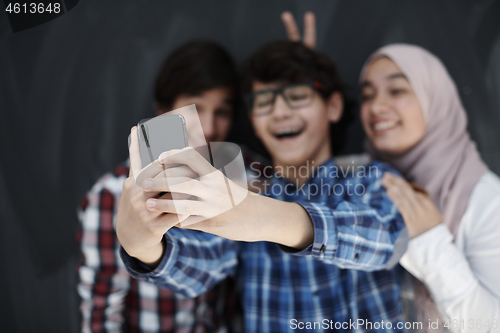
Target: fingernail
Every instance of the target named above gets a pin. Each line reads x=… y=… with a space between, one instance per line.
x=147 y=184
x=162 y=157
x=151 y=203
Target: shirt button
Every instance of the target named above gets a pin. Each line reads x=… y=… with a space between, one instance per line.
x=356 y=256
x=323 y=248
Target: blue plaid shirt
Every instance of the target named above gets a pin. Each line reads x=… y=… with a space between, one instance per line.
x=342 y=281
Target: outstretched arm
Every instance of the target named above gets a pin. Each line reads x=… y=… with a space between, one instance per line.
x=367 y=233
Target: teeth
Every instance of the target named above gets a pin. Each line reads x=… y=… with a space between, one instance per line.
x=287 y=132
x=383 y=125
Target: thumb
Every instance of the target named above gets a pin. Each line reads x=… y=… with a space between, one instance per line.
x=134 y=153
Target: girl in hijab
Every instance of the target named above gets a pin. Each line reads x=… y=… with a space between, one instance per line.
x=414 y=120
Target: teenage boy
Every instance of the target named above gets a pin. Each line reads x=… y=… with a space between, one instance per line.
x=202 y=73
x=312 y=255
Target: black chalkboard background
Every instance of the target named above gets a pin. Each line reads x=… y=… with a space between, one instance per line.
x=70 y=90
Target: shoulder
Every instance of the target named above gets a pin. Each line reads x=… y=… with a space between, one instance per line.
x=250 y=157
x=480 y=224
x=379 y=168
x=354 y=160
x=362 y=166
x=370 y=174
x=484 y=202
x=256 y=166
x=488 y=186
x=112 y=181
x=109 y=185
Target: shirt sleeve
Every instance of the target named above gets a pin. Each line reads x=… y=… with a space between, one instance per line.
x=464 y=284
x=363 y=231
x=193 y=262
x=103 y=280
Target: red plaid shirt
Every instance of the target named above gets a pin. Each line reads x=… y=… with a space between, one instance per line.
x=112 y=301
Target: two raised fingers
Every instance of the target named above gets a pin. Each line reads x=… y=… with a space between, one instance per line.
x=292 y=30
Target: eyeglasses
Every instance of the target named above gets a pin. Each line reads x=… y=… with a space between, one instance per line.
x=296 y=96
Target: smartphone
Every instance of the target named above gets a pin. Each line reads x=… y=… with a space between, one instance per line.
x=160 y=134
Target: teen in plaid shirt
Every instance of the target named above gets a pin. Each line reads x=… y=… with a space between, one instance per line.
x=111 y=300
x=315 y=259
x=115 y=302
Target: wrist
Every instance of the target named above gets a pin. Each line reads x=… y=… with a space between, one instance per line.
x=298 y=232
x=153 y=256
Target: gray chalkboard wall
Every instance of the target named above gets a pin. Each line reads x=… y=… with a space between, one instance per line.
x=71 y=89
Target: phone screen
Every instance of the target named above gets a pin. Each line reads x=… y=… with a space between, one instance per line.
x=160 y=134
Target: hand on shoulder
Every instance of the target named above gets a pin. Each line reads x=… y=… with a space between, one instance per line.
x=414 y=204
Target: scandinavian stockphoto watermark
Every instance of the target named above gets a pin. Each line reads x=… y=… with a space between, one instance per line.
x=261 y=180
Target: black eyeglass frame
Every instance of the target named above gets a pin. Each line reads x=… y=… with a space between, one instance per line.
x=249 y=98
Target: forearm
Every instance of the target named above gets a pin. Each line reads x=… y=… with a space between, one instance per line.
x=281 y=222
x=354 y=236
x=331 y=234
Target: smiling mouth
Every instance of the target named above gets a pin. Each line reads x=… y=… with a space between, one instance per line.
x=383 y=126
x=287 y=134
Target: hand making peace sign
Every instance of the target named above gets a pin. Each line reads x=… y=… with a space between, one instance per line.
x=309 y=38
